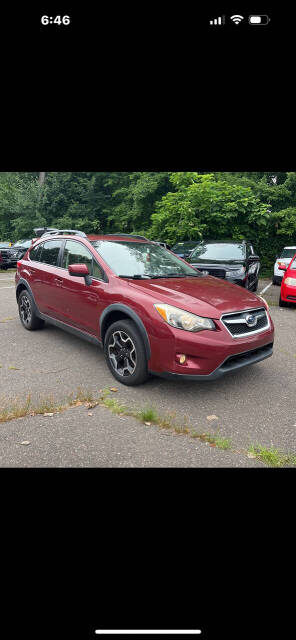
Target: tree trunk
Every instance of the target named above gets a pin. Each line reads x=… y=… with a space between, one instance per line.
x=42 y=175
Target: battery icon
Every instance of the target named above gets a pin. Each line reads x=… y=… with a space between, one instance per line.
x=259 y=19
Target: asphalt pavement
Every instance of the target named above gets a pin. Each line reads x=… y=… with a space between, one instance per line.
x=255 y=405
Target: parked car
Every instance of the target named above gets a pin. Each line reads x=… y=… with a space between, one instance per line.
x=17 y=251
x=288 y=286
x=232 y=261
x=3 y=255
x=150 y=311
x=184 y=249
x=284 y=258
x=162 y=244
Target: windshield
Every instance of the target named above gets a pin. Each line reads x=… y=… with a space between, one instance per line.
x=4 y=244
x=142 y=259
x=222 y=251
x=288 y=253
x=22 y=243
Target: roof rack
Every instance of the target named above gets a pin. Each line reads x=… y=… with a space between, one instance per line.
x=126 y=235
x=40 y=230
x=55 y=232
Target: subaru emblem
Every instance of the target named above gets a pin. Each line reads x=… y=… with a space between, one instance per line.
x=251 y=320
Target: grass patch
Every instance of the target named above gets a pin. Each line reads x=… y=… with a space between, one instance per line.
x=115 y=407
x=83 y=395
x=17 y=410
x=218 y=441
x=223 y=443
x=272 y=457
x=148 y=415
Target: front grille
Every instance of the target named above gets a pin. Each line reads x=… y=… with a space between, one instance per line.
x=239 y=324
x=5 y=254
x=218 y=273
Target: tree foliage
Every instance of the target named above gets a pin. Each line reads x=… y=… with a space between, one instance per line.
x=167 y=206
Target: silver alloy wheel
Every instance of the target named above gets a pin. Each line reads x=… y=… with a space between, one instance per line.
x=25 y=310
x=122 y=353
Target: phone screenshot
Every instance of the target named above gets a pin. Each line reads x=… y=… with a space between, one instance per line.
x=147 y=320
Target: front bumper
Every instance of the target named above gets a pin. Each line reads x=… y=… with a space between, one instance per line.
x=206 y=351
x=232 y=363
x=288 y=293
x=240 y=281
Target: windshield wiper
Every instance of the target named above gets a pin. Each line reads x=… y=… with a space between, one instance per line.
x=137 y=276
x=152 y=276
x=179 y=275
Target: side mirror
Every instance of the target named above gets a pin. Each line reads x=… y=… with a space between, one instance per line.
x=80 y=271
x=282 y=267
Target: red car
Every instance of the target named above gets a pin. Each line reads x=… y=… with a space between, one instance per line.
x=288 y=286
x=150 y=311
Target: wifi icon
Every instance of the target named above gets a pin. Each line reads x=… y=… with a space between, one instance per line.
x=236 y=19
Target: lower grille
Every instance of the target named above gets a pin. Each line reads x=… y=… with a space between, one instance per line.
x=245 y=323
x=291 y=297
x=240 y=358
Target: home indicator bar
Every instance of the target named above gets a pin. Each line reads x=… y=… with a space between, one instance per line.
x=148 y=632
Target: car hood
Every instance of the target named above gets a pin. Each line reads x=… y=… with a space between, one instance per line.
x=231 y=264
x=205 y=296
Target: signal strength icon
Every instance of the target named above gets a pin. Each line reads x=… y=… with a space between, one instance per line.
x=218 y=21
x=236 y=19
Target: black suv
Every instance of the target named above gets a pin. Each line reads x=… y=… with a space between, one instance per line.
x=184 y=249
x=17 y=252
x=232 y=261
x=4 y=249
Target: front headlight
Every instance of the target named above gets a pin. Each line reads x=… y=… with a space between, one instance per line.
x=183 y=319
x=290 y=281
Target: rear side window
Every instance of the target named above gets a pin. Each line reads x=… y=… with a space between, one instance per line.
x=288 y=253
x=35 y=253
x=50 y=252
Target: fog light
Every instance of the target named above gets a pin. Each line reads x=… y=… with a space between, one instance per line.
x=181 y=358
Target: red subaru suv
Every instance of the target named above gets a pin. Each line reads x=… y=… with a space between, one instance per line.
x=150 y=311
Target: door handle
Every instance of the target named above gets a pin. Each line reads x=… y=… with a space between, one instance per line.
x=92 y=298
x=58 y=282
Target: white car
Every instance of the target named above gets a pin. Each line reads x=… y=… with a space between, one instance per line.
x=285 y=257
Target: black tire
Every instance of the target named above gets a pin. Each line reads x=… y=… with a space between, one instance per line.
x=125 y=353
x=282 y=303
x=254 y=286
x=28 y=317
